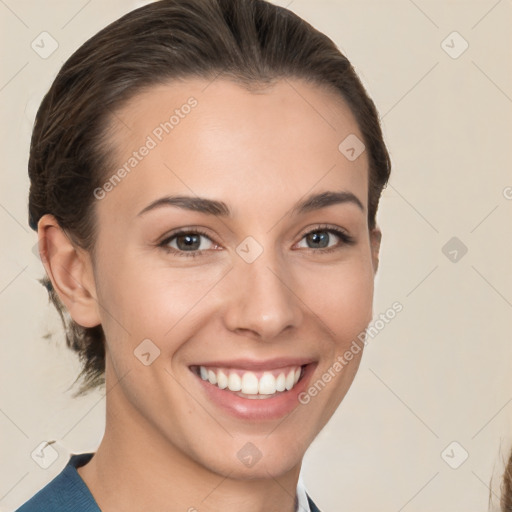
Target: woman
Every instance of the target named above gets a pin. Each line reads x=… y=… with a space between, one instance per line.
x=205 y=177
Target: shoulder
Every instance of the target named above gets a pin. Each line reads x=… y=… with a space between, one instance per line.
x=67 y=492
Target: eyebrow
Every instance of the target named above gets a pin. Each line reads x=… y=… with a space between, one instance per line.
x=221 y=209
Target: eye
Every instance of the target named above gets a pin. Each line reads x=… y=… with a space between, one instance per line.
x=321 y=236
x=186 y=243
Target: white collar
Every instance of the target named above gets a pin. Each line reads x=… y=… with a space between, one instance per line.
x=302 y=499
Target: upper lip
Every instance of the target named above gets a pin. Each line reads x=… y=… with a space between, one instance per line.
x=254 y=364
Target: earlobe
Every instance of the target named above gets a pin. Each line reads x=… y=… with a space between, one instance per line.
x=70 y=271
x=375 y=239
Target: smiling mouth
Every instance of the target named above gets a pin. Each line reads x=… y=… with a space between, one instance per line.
x=252 y=384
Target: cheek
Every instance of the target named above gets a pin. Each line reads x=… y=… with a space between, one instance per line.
x=341 y=296
x=151 y=301
x=156 y=302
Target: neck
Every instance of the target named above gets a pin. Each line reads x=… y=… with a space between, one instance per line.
x=136 y=468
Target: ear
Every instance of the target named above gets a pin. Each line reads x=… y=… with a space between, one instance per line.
x=375 y=238
x=69 y=269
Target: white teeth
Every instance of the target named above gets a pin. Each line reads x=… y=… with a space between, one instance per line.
x=222 y=380
x=267 y=384
x=290 y=378
x=212 y=377
x=281 y=382
x=249 y=384
x=234 y=382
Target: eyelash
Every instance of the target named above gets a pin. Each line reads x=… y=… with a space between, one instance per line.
x=346 y=239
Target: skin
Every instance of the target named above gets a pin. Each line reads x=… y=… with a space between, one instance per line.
x=166 y=447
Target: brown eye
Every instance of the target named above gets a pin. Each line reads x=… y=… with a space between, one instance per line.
x=186 y=243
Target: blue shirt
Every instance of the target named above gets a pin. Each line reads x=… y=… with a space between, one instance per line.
x=67 y=492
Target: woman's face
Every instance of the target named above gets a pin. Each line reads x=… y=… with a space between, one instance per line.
x=260 y=291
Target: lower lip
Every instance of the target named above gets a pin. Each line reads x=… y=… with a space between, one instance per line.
x=272 y=408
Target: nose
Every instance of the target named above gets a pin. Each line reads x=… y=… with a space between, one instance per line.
x=261 y=299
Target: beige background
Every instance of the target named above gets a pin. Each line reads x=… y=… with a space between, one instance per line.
x=439 y=372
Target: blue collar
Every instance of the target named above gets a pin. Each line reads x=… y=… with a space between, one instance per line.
x=67 y=492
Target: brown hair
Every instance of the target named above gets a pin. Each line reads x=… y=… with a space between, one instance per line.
x=506 y=487
x=249 y=41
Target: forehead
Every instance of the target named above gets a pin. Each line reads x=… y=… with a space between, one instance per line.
x=216 y=138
